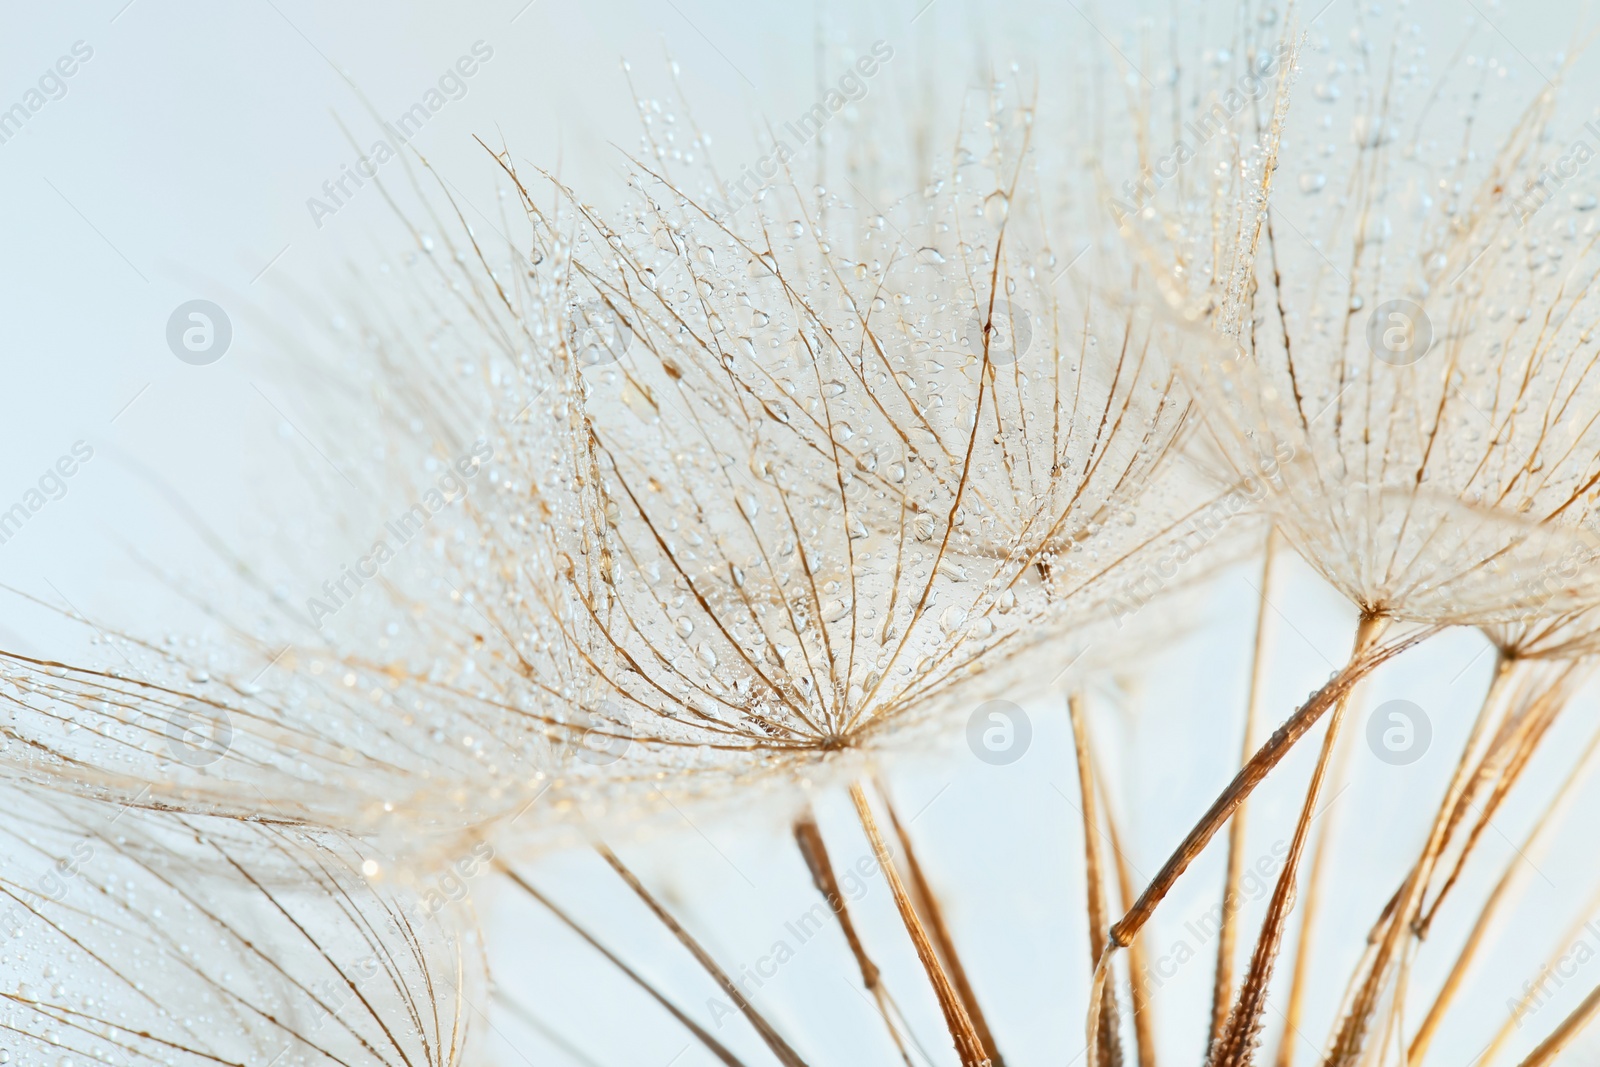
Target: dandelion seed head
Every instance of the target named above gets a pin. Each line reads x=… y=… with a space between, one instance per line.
x=751 y=490
x=1411 y=362
x=188 y=939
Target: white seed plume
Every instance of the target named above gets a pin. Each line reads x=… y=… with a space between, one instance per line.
x=740 y=492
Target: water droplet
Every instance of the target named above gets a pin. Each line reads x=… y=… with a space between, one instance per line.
x=639 y=401
x=995 y=207
x=683 y=627
x=1370 y=131
x=1313 y=182
x=929 y=255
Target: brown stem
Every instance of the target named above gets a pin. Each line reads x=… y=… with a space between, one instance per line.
x=774 y=1041
x=1564 y=1034
x=1222 y=981
x=693 y=1027
x=1242 y=1030
x=1261 y=764
x=1512 y=878
x=933 y=915
x=1104 y=1038
x=808 y=835
x=1352 y=1032
x=967 y=1045
x=1138 y=970
x=1302 y=955
x=1537 y=990
x=1521 y=744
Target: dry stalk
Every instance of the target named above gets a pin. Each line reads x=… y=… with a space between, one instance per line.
x=1144 y=1030
x=1512 y=879
x=1103 y=1037
x=1241 y=1034
x=1222 y=982
x=774 y=1041
x=927 y=904
x=808 y=835
x=1254 y=771
x=1316 y=880
x=1405 y=907
x=715 y=1047
x=962 y=1033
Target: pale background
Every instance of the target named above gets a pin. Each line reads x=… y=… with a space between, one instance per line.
x=178 y=165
